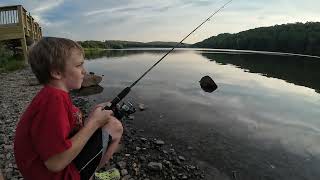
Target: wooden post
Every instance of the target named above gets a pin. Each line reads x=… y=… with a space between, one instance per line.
x=1 y=176
x=32 y=27
x=23 y=39
x=25 y=49
x=40 y=32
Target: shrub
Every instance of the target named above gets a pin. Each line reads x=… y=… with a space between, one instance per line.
x=9 y=61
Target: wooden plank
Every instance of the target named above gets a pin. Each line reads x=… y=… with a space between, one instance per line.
x=10 y=32
x=11 y=36
x=9 y=29
x=7 y=8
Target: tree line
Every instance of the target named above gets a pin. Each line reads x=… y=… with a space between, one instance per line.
x=302 y=38
x=114 y=44
x=300 y=71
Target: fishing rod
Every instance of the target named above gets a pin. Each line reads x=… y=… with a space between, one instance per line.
x=113 y=105
x=125 y=91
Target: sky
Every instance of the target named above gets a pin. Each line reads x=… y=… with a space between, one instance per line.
x=161 y=20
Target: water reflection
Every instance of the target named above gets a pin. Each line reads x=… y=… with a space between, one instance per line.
x=91 y=55
x=301 y=71
x=247 y=108
x=298 y=70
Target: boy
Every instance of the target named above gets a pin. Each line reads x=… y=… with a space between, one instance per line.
x=50 y=134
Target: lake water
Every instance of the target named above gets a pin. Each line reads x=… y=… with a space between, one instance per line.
x=262 y=122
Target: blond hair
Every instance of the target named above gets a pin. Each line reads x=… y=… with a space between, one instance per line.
x=50 y=53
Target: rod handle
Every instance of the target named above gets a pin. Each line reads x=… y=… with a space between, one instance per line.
x=118 y=98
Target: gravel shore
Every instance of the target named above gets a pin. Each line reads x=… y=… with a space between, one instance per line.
x=15 y=95
x=139 y=157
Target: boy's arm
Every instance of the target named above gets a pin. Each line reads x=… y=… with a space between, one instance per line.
x=59 y=161
x=98 y=118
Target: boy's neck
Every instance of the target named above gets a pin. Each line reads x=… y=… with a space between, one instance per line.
x=58 y=85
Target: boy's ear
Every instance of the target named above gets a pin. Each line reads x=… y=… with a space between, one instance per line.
x=56 y=74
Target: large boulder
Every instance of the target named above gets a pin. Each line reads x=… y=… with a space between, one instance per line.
x=91 y=80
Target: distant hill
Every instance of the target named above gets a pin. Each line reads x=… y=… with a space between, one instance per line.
x=302 y=38
x=115 y=44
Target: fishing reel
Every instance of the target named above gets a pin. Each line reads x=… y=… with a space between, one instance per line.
x=124 y=110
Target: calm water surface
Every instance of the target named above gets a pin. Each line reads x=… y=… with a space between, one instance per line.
x=266 y=108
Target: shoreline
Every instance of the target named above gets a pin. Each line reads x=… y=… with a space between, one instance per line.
x=140 y=156
x=160 y=136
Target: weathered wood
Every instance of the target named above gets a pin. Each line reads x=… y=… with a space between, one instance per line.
x=10 y=32
x=16 y=23
x=24 y=49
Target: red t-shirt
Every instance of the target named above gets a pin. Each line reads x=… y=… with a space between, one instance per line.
x=43 y=131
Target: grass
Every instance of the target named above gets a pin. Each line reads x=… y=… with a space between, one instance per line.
x=11 y=64
x=9 y=61
x=92 y=49
x=92 y=53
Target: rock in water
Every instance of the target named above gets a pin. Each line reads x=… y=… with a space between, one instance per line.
x=207 y=84
x=159 y=142
x=142 y=107
x=91 y=80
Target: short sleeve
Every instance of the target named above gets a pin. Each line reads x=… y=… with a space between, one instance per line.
x=50 y=128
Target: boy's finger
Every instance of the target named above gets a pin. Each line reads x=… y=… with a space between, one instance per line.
x=102 y=104
x=108 y=103
x=111 y=112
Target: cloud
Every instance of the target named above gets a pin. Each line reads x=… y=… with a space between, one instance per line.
x=133 y=8
x=127 y=9
x=46 y=6
x=162 y=20
x=196 y=3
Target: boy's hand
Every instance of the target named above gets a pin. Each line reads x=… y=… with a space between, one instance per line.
x=100 y=116
x=103 y=104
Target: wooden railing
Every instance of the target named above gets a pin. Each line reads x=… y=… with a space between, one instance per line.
x=9 y=15
x=15 y=20
x=16 y=23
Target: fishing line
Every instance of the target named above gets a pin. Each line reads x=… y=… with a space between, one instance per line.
x=208 y=19
x=125 y=91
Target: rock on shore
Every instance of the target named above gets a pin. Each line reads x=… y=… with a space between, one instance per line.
x=91 y=80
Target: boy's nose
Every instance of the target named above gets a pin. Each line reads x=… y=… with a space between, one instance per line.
x=84 y=71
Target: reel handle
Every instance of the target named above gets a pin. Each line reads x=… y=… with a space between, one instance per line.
x=113 y=105
x=116 y=112
x=118 y=98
